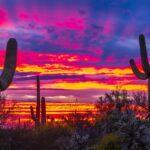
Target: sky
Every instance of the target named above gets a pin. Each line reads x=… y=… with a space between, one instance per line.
x=80 y=48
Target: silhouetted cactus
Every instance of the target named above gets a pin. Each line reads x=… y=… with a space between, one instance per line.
x=145 y=66
x=43 y=111
x=39 y=120
x=38 y=98
x=33 y=116
x=9 y=64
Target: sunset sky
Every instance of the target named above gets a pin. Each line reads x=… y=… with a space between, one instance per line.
x=80 y=48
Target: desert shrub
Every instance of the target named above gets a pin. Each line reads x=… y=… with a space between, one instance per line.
x=123 y=121
x=135 y=133
x=81 y=130
x=5 y=109
x=110 y=142
x=17 y=139
x=50 y=137
x=44 y=138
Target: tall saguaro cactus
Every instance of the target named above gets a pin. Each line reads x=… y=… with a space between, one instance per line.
x=145 y=65
x=9 y=64
x=39 y=117
x=38 y=98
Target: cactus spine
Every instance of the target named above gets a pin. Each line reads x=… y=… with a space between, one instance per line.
x=39 y=120
x=145 y=66
x=9 y=64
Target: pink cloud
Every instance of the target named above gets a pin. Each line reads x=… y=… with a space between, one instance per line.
x=109 y=25
x=3 y=17
x=110 y=59
x=36 y=58
x=60 y=18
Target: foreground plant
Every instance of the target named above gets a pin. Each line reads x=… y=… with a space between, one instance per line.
x=9 y=64
x=110 y=142
x=120 y=120
x=134 y=133
x=7 y=76
x=145 y=66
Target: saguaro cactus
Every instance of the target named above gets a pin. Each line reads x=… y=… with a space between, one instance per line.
x=43 y=111
x=36 y=117
x=145 y=65
x=42 y=119
x=9 y=64
x=39 y=120
x=38 y=98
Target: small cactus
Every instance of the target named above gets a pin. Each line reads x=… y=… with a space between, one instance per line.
x=9 y=64
x=145 y=66
x=43 y=111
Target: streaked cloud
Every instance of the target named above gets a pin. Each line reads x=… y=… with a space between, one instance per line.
x=74 y=45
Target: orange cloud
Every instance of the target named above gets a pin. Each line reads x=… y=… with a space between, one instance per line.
x=94 y=85
x=64 y=69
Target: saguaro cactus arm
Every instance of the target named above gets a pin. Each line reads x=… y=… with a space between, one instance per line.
x=33 y=116
x=143 y=51
x=32 y=113
x=136 y=71
x=9 y=65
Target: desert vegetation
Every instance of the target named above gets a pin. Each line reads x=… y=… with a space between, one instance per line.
x=120 y=122
x=117 y=124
